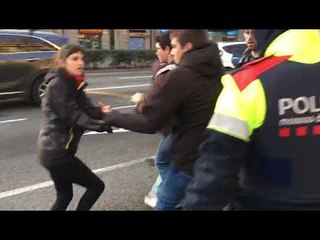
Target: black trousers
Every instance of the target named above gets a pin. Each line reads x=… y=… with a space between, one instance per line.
x=76 y=172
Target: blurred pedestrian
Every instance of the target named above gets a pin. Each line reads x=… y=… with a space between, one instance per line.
x=163 y=156
x=68 y=112
x=159 y=63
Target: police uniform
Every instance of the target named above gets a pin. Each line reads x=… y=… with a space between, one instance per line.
x=262 y=152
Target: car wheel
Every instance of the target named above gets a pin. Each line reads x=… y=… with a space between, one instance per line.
x=38 y=88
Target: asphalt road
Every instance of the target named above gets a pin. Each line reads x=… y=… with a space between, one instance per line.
x=120 y=159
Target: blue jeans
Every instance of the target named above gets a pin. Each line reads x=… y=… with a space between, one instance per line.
x=162 y=161
x=163 y=157
x=172 y=189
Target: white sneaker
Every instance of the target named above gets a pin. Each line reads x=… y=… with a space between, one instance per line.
x=150 y=201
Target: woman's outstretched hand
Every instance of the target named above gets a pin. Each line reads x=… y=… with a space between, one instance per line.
x=105 y=108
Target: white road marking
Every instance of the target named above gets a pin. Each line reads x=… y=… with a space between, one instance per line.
x=14 y=120
x=116 y=73
x=50 y=183
x=23 y=119
x=119 y=87
x=120 y=130
x=130 y=106
x=135 y=77
x=121 y=165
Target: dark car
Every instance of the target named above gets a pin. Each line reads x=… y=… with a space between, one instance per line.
x=54 y=38
x=24 y=61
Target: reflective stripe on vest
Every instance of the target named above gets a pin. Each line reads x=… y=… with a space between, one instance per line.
x=238 y=113
x=230 y=125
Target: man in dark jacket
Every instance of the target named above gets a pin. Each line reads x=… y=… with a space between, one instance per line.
x=190 y=93
x=262 y=151
x=251 y=53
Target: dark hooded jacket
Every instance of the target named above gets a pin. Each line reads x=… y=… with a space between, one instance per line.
x=246 y=57
x=189 y=93
x=67 y=114
x=265 y=36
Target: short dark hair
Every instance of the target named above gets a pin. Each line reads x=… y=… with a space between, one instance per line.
x=164 y=40
x=66 y=50
x=197 y=37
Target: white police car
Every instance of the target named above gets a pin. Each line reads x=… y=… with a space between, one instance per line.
x=230 y=53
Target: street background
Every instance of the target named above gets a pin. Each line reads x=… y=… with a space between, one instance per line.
x=121 y=159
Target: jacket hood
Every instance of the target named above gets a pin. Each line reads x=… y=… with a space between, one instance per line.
x=265 y=36
x=205 y=60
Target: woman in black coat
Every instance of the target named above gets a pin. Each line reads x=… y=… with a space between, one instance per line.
x=68 y=112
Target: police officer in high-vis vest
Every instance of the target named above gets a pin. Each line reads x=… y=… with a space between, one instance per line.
x=264 y=142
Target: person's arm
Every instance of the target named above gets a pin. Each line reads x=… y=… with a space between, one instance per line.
x=132 y=121
x=89 y=108
x=160 y=104
x=64 y=104
x=216 y=173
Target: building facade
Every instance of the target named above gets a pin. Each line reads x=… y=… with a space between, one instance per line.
x=126 y=39
x=110 y=38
